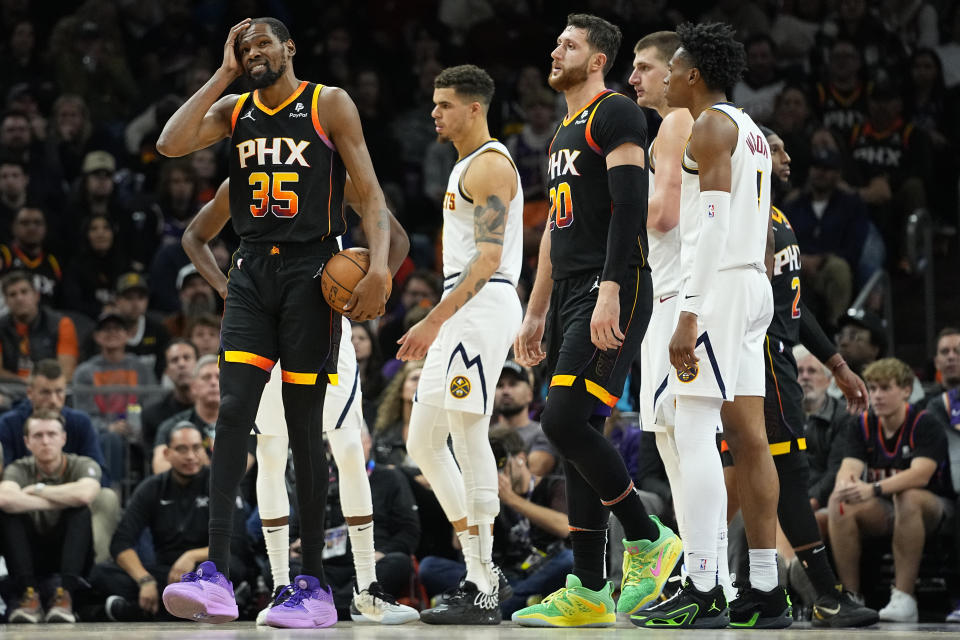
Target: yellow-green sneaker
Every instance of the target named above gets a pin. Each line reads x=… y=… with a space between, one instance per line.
x=572 y=606
x=646 y=568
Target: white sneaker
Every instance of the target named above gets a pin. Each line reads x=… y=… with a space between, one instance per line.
x=901 y=608
x=374 y=605
x=954 y=616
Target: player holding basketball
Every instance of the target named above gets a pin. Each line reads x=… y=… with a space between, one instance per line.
x=594 y=279
x=783 y=412
x=342 y=418
x=292 y=143
x=725 y=306
x=466 y=337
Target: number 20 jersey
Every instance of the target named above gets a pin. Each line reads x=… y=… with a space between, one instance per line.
x=580 y=203
x=286 y=177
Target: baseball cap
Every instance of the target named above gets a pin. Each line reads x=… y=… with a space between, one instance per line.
x=826 y=158
x=98 y=161
x=869 y=321
x=519 y=371
x=131 y=281
x=185 y=272
x=110 y=316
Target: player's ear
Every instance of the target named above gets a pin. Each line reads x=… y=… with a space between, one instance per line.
x=291 y=47
x=693 y=75
x=599 y=61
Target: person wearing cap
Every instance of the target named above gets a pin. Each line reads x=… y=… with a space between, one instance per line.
x=197 y=298
x=112 y=367
x=26 y=253
x=147 y=337
x=511 y=408
x=831 y=226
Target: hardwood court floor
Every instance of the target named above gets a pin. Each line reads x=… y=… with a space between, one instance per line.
x=350 y=631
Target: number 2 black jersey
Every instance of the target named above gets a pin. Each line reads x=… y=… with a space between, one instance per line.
x=580 y=204
x=286 y=177
x=785 y=325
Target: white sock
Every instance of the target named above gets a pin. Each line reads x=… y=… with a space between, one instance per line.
x=364 y=556
x=723 y=563
x=471 y=556
x=277 y=540
x=702 y=567
x=486 y=557
x=763 y=569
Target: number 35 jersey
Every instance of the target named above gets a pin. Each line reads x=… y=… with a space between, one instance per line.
x=286 y=177
x=580 y=203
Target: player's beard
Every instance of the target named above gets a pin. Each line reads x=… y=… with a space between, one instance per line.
x=268 y=77
x=778 y=190
x=568 y=78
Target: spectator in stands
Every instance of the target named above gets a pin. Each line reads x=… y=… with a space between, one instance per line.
x=393 y=417
x=904 y=491
x=369 y=362
x=147 y=338
x=396 y=534
x=91 y=275
x=13 y=193
x=529 y=145
x=853 y=22
x=511 y=406
x=949 y=51
x=840 y=99
x=197 y=298
x=17 y=141
x=26 y=253
x=45 y=501
x=70 y=137
x=30 y=332
x=745 y=17
x=180 y=360
x=173 y=507
x=761 y=83
x=24 y=55
x=861 y=339
x=915 y=23
x=793 y=120
x=421 y=288
x=204 y=332
x=943 y=402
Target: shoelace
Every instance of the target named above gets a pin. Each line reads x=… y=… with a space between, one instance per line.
x=297 y=597
x=559 y=593
x=380 y=594
x=190 y=576
x=634 y=572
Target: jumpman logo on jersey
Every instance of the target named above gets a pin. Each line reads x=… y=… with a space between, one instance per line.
x=248 y=114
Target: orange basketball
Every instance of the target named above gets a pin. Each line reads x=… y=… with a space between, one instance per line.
x=342 y=273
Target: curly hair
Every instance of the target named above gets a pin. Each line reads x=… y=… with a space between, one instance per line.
x=391 y=402
x=466 y=80
x=712 y=49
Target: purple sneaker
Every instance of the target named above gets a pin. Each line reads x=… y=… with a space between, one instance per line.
x=309 y=607
x=205 y=596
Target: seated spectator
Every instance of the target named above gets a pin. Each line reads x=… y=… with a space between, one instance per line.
x=108 y=410
x=180 y=360
x=91 y=275
x=147 y=338
x=892 y=480
x=530 y=533
x=396 y=533
x=527 y=148
x=511 y=406
x=840 y=99
x=13 y=193
x=30 y=332
x=421 y=288
x=943 y=402
x=369 y=362
x=25 y=253
x=173 y=507
x=45 y=501
x=761 y=83
x=197 y=297
x=204 y=332
x=393 y=418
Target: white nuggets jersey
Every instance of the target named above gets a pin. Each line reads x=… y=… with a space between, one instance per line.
x=459 y=247
x=664 y=251
x=749 y=199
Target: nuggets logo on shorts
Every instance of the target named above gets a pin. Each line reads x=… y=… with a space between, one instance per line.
x=689 y=374
x=460 y=387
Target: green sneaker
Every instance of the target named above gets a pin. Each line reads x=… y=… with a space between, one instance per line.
x=572 y=606
x=646 y=568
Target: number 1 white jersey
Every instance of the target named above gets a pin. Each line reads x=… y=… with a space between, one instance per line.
x=459 y=246
x=750 y=169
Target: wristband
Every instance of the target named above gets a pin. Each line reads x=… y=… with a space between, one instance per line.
x=147 y=579
x=877 y=490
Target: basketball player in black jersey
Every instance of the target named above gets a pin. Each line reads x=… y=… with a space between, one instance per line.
x=594 y=279
x=292 y=144
x=793 y=324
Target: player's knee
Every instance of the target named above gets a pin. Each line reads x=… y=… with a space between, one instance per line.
x=236 y=411
x=486 y=503
x=347 y=449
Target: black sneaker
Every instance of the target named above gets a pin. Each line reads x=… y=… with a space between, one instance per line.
x=839 y=609
x=465 y=605
x=755 y=609
x=119 y=609
x=504 y=590
x=280 y=595
x=689 y=607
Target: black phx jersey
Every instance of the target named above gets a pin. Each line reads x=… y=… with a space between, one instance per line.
x=286 y=178
x=580 y=205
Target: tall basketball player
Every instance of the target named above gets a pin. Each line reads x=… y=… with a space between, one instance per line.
x=725 y=306
x=466 y=337
x=342 y=419
x=594 y=279
x=292 y=143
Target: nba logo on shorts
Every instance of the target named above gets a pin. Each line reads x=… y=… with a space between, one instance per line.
x=711 y=210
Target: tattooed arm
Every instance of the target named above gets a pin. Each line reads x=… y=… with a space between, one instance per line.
x=491 y=180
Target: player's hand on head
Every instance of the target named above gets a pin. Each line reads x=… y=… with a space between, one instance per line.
x=526 y=346
x=231 y=59
x=369 y=299
x=683 y=342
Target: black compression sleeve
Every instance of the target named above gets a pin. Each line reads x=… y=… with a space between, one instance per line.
x=813 y=337
x=628 y=194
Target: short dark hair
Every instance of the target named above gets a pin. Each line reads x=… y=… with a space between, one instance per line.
x=767 y=131
x=603 y=36
x=175 y=341
x=15 y=276
x=43 y=414
x=48 y=368
x=712 y=49
x=180 y=426
x=467 y=80
x=947 y=331
x=665 y=42
x=204 y=320
x=505 y=442
x=276 y=27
